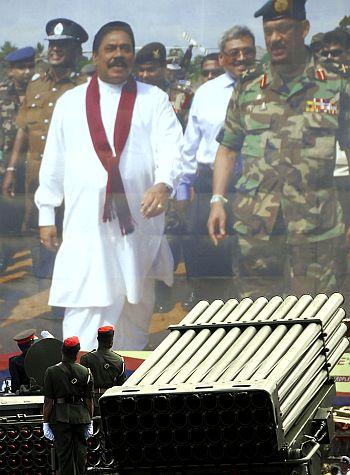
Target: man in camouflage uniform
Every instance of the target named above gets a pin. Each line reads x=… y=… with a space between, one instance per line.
x=151 y=68
x=285 y=120
x=65 y=38
x=20 y=68
x=336 y=53
x=107 y=367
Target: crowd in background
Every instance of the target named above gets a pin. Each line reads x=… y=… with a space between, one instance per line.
x=209 y=270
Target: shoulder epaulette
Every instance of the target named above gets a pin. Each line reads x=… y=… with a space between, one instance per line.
x=36 y=76
x=251 y=73
x=340 y=69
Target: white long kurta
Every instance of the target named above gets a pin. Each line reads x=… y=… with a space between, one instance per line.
x=95 y=263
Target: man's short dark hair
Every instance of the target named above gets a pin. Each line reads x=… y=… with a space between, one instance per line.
x=71 y=353
x=339 y=36
x=107 y=28
x=236 y=33
x=105 y=338
x=210 y=57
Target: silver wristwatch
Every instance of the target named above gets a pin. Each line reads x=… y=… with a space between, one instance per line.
x=218 y=199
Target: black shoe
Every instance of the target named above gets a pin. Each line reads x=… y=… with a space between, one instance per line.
x=191 y=300
x=164 y=298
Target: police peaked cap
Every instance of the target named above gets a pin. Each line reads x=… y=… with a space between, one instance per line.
x=151 y=53
x=25 y=336
x=21 y=54
x=277 y=9
x=64 y=29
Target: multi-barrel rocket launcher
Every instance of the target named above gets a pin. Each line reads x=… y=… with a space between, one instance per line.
x=236 y=384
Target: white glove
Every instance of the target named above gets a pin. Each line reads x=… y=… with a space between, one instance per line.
x=47 y=431
x=46 y=334
x=89 y=430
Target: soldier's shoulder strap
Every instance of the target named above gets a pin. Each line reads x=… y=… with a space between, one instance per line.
x=87 y=354
x=35 y=77
x=251 y=73
x=327 y=69
x=110 y=367
x=73 y=377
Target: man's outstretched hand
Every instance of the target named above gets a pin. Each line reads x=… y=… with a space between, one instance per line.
x=154 y=200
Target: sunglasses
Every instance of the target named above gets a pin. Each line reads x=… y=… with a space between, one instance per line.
x=213 y=72
x=332 y=52
x=235 y=53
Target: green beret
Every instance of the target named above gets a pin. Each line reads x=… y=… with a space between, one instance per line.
x=151 y=53
x=277 y=9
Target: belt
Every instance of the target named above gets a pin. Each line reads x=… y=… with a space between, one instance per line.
x=100 y=390
x=69 y=400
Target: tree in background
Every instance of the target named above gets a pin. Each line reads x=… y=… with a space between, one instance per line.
x=345 y=22
x=6 y=48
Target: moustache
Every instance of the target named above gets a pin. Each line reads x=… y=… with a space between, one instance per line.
x=277 y=46
x=119 y=62
x=243 y=62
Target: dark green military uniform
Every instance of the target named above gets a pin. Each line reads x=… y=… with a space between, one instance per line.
x=286 y=202
x=107 y=368
x=17 y=372
x=19 y=377
x=69 y=384
x=34 y=118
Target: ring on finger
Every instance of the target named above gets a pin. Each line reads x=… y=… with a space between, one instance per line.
x=159 y=206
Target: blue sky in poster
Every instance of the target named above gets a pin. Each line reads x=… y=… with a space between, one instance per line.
x=22 y=21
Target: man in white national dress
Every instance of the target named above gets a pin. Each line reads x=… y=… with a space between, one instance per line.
x=113 y=156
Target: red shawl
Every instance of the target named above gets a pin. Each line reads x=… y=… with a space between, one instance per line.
x=116 y=203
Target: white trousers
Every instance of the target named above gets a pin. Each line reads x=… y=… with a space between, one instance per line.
x=131 y=321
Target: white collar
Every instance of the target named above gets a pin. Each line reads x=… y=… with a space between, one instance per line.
x=228 y=80
x=109 y=88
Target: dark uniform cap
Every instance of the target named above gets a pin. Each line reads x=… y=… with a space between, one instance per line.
x=25 y=336
x=71 y=342
x=151 y=53
x=277 y=9
x=21 y=54
x=63 y=29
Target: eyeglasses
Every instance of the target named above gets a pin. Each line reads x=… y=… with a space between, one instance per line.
x=213 y=72
x=332 y=52
x=235 y=53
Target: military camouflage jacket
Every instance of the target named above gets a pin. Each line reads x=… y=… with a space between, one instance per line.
x=287 y=133
x=10 y=102
x=36 y=111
